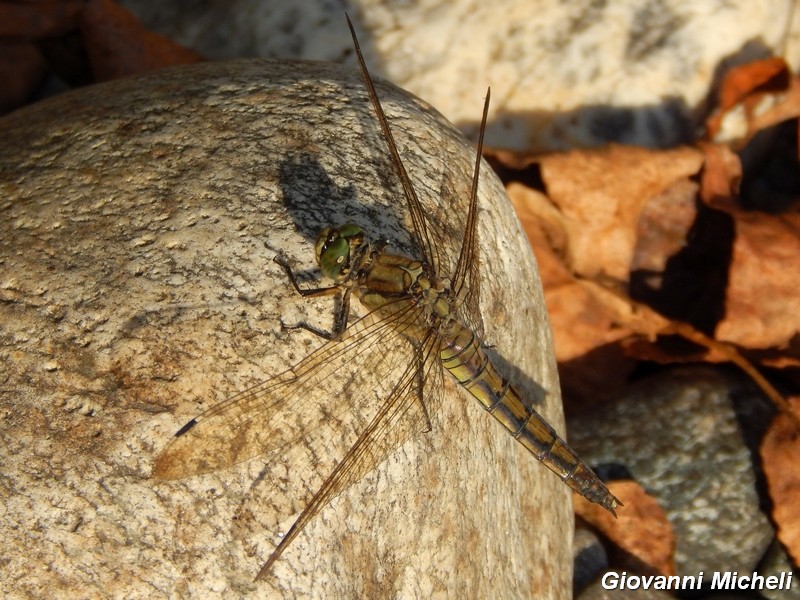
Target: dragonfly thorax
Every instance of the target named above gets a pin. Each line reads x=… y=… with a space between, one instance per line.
x=375 y=276
x=346 y=257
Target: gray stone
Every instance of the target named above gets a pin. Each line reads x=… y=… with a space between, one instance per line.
x=564 y=73
x=776 y=563
x=688 y=436
x=590 y=557
x=599 y=591
x=138 y=222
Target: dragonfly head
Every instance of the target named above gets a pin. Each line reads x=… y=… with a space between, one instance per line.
x=334 y=248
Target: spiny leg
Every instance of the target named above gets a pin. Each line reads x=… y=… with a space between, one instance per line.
x=341 y=318
x=419 y=359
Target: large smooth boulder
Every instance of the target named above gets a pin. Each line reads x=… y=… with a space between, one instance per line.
x=138 y=222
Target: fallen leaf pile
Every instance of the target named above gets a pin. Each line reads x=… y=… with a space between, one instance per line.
x=78 y=41
x=684 y=255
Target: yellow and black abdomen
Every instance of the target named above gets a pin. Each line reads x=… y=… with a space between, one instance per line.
x=462 y=355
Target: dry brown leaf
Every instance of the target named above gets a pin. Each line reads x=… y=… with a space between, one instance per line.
x=119 y=45
x=745 y=86
x=581 y=321
x=32 y=21
x=589 y=326
x=722 y=175
x=546 y=231
x=602 y=193
x=780 y=457
x=588 y=320
x=595 y=323
x=642 y=533
x=762 y=300
x=664 y=225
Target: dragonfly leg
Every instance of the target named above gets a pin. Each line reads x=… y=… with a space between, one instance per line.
x=420 y=377
x=340 y=321
x=305 y=293
x=327 y=335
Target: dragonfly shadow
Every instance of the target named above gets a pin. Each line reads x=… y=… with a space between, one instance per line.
x=532 y=393
x=314 y=200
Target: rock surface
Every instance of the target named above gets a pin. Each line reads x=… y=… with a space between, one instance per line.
x=138 y=222
x=564 y=74
x=689 y=437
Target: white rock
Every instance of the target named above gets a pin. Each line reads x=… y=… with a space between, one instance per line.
x=563 y=74
x=138 y=223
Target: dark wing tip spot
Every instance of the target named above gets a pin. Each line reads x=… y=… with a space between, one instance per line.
x=186 y=428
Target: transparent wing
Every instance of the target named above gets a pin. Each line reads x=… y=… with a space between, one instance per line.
x=399 y=415
x=420 y=228
x=465 y=280
x=342 y=382
x=465 y=271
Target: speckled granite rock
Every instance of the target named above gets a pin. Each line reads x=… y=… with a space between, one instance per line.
x=562 y=73
x=138 y=222
x=688 y=437
x=776 y=562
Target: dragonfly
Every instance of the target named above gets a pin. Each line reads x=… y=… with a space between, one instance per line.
x=420 y=323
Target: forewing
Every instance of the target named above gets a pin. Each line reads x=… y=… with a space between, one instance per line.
x=466 y=275
x=330 y=390
x=419 y=231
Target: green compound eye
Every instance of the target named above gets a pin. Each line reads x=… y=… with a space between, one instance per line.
x=350 y=231
x=333 y=248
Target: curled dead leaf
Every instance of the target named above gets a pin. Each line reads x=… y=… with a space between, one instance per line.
x=747 y=87
x=780 y=456
x=642 y=533
x=602 y=194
